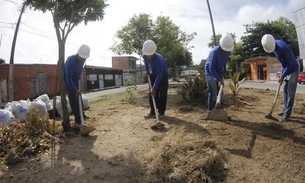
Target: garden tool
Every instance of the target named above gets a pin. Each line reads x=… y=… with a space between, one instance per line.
x=269 y=116
x=158 y=124
x=84 y=130
x=218 y=113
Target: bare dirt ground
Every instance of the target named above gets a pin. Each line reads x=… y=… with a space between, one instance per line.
x=124 y=149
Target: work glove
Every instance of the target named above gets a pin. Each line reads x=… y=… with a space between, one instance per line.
x=153 y=92
x=78 y=93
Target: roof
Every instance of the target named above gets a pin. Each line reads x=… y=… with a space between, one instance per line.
x=129 y=57
x=99 y=67
x=260 y=58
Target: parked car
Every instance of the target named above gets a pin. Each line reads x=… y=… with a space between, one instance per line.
x=302 y=77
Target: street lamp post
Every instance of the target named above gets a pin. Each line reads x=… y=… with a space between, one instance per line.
x=215 y=42
x=11 y=65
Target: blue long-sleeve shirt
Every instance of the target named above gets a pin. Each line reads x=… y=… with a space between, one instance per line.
x=157 y=67
x=216 y=63
x=73 y=69
x=285 y=55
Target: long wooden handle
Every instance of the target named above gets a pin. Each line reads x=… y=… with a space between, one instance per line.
x=80 y=106
x=275 y=99
x=219 y=95
x=154 y=102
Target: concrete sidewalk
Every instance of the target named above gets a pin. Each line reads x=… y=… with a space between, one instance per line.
x=99 y=94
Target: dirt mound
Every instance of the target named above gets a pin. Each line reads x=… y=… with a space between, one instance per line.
x=188 y=158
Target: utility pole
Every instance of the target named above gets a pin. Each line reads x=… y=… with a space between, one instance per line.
x=215 y=42
x=11 y=65
x=1 y=40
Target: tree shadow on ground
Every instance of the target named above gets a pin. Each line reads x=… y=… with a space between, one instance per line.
x=269 y=130
x=245 y=152
x=142 y=100
x=189 y=126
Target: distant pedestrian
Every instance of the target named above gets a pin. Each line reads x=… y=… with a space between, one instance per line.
x=73 y=69
x=290 y=71
x=215 y=69
x=156 y=69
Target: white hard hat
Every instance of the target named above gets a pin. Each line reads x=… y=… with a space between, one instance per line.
x=84 y=51
x=226 y=43
x=268 y=43
x=149 y=47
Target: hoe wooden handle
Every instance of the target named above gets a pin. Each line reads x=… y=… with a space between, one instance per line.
x=219 y=95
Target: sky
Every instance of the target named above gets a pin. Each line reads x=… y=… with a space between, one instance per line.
x=37 y=43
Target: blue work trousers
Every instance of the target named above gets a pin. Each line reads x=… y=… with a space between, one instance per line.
x=213 y=89
x=289 y=89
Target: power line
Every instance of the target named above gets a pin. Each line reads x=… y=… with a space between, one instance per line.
x=39 y=30
x=18 y=6
x=7 y=27
x=11 y=2
x=43 y=17
x=6 y=23
x=38 y=34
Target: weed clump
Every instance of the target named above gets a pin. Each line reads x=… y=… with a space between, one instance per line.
x=25 y=139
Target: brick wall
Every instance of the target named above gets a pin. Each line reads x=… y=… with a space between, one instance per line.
x=25 y=79
x=120 y=63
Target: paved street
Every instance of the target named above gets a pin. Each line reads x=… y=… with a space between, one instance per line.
x=99 y=94
x=272 y=85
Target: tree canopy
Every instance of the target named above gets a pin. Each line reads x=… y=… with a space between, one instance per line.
x=71 y=12
x=131 y=36
x=171 y=42
x=250 y=44
x=282 y=28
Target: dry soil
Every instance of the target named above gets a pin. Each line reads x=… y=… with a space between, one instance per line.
x=124 y=149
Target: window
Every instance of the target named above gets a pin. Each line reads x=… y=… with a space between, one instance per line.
x=108 y=76
x=92 y=77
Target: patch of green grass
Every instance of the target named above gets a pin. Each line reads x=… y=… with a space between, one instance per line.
x=103 y=100
x=108 y=100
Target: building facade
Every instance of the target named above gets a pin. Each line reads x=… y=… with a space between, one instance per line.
x=98 y=78
x=132 y=72
x=264 y=68
x=32 y=80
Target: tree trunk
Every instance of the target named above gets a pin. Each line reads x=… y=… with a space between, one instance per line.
x=60 y=71
x=177 y=73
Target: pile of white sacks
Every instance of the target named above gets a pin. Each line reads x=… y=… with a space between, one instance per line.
x=19 y=109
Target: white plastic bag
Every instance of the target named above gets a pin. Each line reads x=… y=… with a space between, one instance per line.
x=40 y=106
x=19 y=109
x=6 y=117
x=59 y=108
x=46 y=100
x=85 y=102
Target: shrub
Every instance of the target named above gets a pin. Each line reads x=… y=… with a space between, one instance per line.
x=235 y=85
x=129 y=93
x=26 y=139
x=194 y=91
